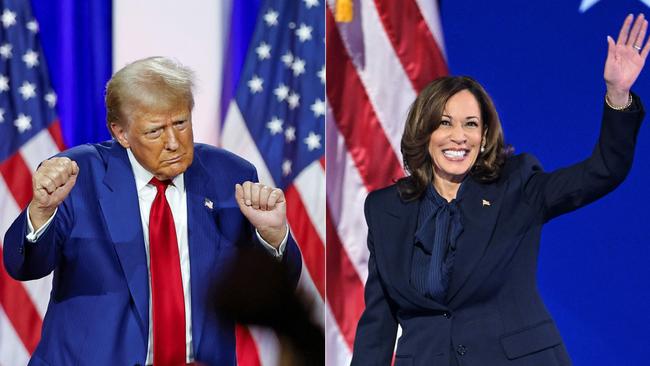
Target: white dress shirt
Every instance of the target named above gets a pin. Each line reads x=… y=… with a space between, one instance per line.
x=177 y=199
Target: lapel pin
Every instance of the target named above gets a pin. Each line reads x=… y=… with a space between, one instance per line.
x=486 y=203
x=207 y=203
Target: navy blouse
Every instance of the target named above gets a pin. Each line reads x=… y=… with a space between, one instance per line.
x=438 y=228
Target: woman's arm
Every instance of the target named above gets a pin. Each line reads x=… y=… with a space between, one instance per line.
x=564 y=190
x=377 y=329
x=569 y=188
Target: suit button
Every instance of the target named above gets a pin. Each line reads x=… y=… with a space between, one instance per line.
x=21 y=250
x=446 y=314
x=461 y=350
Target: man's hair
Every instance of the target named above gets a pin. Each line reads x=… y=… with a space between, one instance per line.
x=150 y=84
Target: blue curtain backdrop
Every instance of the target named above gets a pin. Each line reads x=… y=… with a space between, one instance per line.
x=242 y=26
x=542 y=62
x=76 y=39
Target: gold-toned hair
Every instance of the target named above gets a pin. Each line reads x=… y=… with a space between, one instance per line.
x=424 y=117
x=149 y=84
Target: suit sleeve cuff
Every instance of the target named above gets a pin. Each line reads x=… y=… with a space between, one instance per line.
x=276 y=252
x=33 y=235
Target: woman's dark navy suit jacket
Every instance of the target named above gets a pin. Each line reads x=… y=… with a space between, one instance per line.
x=493 y=313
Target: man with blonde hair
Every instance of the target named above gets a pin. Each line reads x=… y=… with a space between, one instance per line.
x=137 y=228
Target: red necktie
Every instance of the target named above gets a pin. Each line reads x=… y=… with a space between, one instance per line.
x=168 y=306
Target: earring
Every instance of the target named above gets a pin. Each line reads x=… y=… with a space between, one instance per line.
x=483 y=147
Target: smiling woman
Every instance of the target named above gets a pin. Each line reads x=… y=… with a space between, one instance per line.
x=452 y=123
x=453 y=246
x=454 y=145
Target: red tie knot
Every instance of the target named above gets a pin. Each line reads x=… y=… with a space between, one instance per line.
x=161 y=185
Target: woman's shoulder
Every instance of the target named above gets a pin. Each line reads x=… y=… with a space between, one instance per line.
x=385 y=199
x=383 y=195
x=520 y=165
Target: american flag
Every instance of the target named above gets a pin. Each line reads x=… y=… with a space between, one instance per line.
x=29 y=133
x=276 y=120
x=380 y=55
x=297 y=165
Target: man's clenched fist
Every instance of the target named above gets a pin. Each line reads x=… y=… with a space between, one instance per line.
x=51 y=184
x=265 y=208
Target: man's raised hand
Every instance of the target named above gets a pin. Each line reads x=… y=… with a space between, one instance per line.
x=51 y=184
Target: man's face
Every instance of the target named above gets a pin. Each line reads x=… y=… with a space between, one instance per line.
x=162 y=142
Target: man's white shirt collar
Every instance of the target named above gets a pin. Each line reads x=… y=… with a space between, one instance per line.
x=143 y=176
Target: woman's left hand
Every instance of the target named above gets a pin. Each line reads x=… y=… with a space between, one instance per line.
x=625 y=58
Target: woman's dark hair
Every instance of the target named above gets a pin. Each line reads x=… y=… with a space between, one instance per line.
x=424 y=117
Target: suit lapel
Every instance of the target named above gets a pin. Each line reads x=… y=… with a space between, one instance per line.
x=480 y=205
x=119 y=203
x=203 y=243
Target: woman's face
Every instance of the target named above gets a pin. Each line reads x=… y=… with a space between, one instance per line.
x=455 y=144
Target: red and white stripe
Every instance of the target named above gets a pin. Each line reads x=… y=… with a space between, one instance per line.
x=22 y=304
x=306 y=215
x=382 y=59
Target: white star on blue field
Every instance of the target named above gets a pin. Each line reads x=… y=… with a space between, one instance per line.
x=586 y=4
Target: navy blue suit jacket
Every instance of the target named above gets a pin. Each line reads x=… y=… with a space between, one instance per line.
x=98 y=312
x=493 y=314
